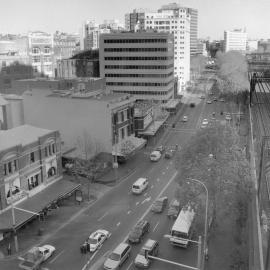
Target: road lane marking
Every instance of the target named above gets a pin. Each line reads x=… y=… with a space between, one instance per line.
x=137 y=203
x=57 y=256
x=155 y=227
x=92 y=257
x=118 y=224
x=103 y=216
x=145 y=194
x=128 y=212
x=146 y=200
x=152 y=186
x=148 y=209
x=129 y=265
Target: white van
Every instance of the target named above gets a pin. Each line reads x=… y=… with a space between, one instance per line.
x=140 y=185
x=155 y=156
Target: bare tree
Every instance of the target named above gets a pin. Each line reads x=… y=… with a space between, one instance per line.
x=197 y=64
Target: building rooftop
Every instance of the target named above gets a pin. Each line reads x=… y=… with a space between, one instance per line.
x=23 y=135
x=142 y=107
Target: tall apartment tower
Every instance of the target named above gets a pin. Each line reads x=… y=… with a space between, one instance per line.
x=140 y=64
x=175 y=20
x=131 y=19
x=235 y=40
x=193 y=31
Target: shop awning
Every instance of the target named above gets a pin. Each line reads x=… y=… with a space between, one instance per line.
x=26 y=210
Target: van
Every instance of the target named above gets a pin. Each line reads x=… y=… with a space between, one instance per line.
x=117 y=257
x=155 y=156
x=140 y=185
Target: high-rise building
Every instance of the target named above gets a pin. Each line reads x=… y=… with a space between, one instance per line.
x=131 y=19
x=177 y=22
x=235 y=40
x=138 y=63
x=193 y=30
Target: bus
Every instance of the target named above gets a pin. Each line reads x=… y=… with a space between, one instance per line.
x=182 y=228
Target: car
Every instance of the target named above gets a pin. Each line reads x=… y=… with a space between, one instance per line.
x=47 y=251
x=137 y=233
x=169 y=153
x=215 y=99
x=155 y=156
x=97 y=238
x=204 y=123
x=174 y=209
x=185 y=118
x=161 y=149
x=192 y=105
x=120 y=254
x=209 y=102
x=159 y=205
x=228 y=117
x=151 y=247
x=213 y=118
x=222 y=100
x=202 y=97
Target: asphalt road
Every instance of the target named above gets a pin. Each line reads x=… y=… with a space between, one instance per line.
x=119 y=210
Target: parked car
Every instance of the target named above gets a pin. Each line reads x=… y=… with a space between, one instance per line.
x=117 y=257
x=97 y=238
x=204 y=123
x=159 y=205
x=169 y=153
x=215 y=99
x=228 y=117
x=174 y=209
x=161 y=149
x=209 y=102
x=155 y=156
x=185 y=118
x=137 y=233
x=151 y=247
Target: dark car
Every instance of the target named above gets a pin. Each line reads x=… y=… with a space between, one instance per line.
x=161 y=149
x=192 y=105
x=137 y=233
x=159 y=205
x=169 y=153
x=174 y=209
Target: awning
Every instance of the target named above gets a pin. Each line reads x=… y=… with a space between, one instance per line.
x=36 y=204
x=154 y=127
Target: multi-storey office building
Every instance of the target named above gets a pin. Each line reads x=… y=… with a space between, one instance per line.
x=139 y=63
x=40 y=46
x=235 y=40
x=131 y=19
x=193 y=30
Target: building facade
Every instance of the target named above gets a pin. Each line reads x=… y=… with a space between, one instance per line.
x=140 y=64
x=175 y=20
x=131 y=19
x=193 y=30
x=40 y=51
x=30 y=159
x=235 y=40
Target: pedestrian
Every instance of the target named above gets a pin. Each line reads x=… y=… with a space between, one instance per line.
x=9 y=249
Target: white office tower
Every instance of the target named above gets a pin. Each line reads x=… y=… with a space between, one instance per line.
x=175 y=20
x=235 y=40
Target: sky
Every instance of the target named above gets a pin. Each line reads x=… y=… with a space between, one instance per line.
x=215 y=16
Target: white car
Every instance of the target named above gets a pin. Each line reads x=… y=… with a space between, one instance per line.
x=47 y=251
x=204 y=123
x=155 y=155
x=97 y=238
x=228 y=117
x=185 y=118
x=209 y=102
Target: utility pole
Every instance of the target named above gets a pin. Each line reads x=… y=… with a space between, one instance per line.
x=199 y=262
x=13 y=220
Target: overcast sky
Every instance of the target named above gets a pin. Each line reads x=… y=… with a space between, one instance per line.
x=215 y=16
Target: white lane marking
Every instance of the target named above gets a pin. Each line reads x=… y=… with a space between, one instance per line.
x=145 y=194
x=146 y=200
x=118 y=224
x=137 y=203
x=148 y=209
x=155 y=227
x=158 y=180
x=128 y=212
x=57 y=256
x=129 y=265
x=92 y=257
x=152 y=186
x=103 y=216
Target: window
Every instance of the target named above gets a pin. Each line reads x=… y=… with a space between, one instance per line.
x=9 y=167
x=36 y=58
x=47 y=50
x=5 y=169
x=36 y=50
x=53 y=148
x=32 y=157
x=123 y=133
x=122 y=116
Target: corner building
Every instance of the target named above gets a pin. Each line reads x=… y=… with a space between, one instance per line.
x=140 y=64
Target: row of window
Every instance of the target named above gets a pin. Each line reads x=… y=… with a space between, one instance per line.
x=37 y=58
x=37 y=50
x=136 y=50
x=136 y=67
x=155 y=93
x=139 y=75
x=138 y=58
x=13 y=165
x=135 y=40
x=137 y=84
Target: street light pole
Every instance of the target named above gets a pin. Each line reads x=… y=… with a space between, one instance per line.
x=206 y=215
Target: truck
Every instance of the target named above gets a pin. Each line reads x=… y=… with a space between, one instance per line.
x=35 y=256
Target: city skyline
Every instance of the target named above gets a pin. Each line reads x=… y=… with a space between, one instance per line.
x=68 y=16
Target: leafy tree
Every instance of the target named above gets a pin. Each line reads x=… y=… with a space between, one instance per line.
x=213 y=157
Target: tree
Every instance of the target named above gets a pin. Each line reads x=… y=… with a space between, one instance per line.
x=214 y=157
x=197 y=64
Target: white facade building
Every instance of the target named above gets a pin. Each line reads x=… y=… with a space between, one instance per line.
x=235 y=40
x=177 y=22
